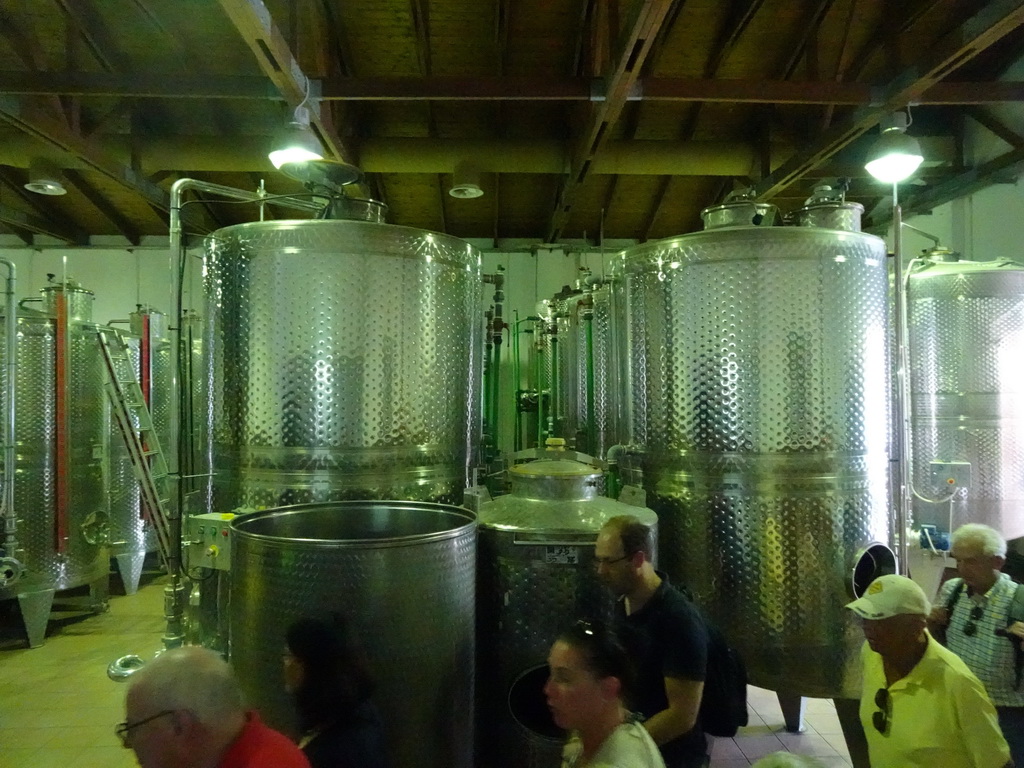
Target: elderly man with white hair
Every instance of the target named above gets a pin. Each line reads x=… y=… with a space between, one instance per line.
x=184 y=710
x=979 y=615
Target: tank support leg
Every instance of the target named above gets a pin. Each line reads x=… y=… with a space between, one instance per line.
x=99 y=595
x=129 y=565
x=793 y=708
x=856 y=742
x=35 y=613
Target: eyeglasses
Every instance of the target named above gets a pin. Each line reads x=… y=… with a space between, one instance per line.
x=124 y=730
x=599 y=561
x=881 y=718
x=971 y=627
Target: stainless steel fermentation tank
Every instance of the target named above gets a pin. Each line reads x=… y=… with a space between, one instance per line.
x=131 y=537
x=61 y=433
x=345 y=362
x=759 y=425
x=585 y=415
x=535 y=577
x=403 y=575
x=966 y=334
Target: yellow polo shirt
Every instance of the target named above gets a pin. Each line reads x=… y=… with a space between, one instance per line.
x=940 y=715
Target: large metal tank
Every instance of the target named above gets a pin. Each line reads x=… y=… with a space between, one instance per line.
x=403 y=573
x=61 y=434
x=535 y=574
x=759 y=427
x=966 y=333
x=345 y=362
x=585 y=369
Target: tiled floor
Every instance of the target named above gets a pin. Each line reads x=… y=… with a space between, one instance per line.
x=57 y=706
x=766 y=733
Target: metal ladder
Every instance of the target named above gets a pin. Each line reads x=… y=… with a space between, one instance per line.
x=136 y=424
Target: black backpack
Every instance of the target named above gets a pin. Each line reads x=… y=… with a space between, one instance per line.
x=723 y=707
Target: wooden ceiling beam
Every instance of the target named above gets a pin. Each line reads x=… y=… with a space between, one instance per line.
x=741 y=13
x=808 y=31
x=987 y=120
x=41 y=225
x=255 y=25
x=652 y=89
x=994 y=21
x=57 y=134
x=621 y=80
x=128 y=230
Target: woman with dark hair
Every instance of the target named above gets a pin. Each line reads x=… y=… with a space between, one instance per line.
x=589 y=675
x=328 y=679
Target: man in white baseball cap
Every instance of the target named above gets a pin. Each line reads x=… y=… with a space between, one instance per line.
x=920 y=705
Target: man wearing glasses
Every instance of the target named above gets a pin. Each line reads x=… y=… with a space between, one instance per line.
x=184 y=710
x=976 y=614
x=665 y=637
x=920 y=705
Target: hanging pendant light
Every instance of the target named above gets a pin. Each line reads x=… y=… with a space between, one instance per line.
x=895 y=155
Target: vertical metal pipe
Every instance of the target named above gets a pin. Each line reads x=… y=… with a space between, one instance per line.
x=517 y=438
x=538 y=336
x=901 y=476
x=553 y=413
x=10 y=393
x=62 y=458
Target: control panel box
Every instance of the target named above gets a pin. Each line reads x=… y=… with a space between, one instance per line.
x=209 y=541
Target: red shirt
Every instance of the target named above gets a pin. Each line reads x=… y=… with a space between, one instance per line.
x=258 y=746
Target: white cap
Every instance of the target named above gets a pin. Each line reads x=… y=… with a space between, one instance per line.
x=891 y=595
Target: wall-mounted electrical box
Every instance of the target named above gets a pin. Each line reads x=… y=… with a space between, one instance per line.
x=209 y=541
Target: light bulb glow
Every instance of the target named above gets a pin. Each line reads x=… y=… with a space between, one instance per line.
x=895 y=167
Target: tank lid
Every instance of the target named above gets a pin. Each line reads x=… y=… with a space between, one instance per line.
x=740 y=209
x=942 y=254
x=554 y=468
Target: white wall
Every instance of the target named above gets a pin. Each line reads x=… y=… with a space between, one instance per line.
x=120 y=278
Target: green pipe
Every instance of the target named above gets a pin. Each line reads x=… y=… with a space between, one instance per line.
x=588 y=328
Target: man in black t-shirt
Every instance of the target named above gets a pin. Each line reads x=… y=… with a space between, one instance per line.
x=666 y=639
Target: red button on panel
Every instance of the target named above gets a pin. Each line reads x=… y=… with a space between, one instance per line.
x=224 y=532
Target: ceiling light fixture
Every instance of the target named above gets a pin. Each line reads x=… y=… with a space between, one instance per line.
x=895 y=155
x=297 y=143
x=465 y=182
x=44 y=178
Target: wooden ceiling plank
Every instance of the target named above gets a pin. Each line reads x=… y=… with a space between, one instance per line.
x=889 y=28
x=49 y=130
x=338 y=39
x=990 y=24
x=808 y=31
x=94 y=32
x=987 y=120
x=620 y=84
x=41 y=225
x=420 y=13
x=741 y=13
x=104 y=206
x=659 y=202
x=252 y=20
